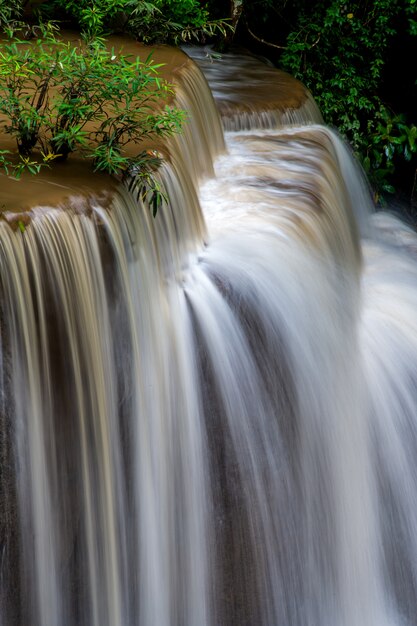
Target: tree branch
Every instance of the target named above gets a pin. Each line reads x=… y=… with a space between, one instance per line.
x=266 y=43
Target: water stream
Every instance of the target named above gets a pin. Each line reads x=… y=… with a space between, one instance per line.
x=210 y=418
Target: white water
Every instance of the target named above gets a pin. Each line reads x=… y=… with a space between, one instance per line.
x=210 y=418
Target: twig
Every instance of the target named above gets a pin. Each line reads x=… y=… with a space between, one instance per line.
x=316 y=42
x=266 y=43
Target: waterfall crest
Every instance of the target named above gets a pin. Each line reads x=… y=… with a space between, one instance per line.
x=209 y=418
x=250 y=94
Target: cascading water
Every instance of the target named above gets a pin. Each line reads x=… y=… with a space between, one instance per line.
x=210 y=418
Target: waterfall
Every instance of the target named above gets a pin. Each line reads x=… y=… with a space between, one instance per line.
x=210 y=418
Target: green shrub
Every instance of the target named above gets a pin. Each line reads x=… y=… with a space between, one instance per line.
x=57 y=98
x=93 y=18
x=168 y=21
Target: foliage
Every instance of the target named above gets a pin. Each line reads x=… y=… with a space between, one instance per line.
x=10 y=10
x=338 y=50
x=57 y=98
x=169 y=21
x=388 y=141
x=92 y=18
x=411 y=11
x=159 y=21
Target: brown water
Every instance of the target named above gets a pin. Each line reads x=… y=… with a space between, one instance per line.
x=209 y=418
x=251 y=94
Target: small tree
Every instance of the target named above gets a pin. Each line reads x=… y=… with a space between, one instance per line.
x=57 y=98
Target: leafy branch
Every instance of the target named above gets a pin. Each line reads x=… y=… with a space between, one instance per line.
x=57 y=99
